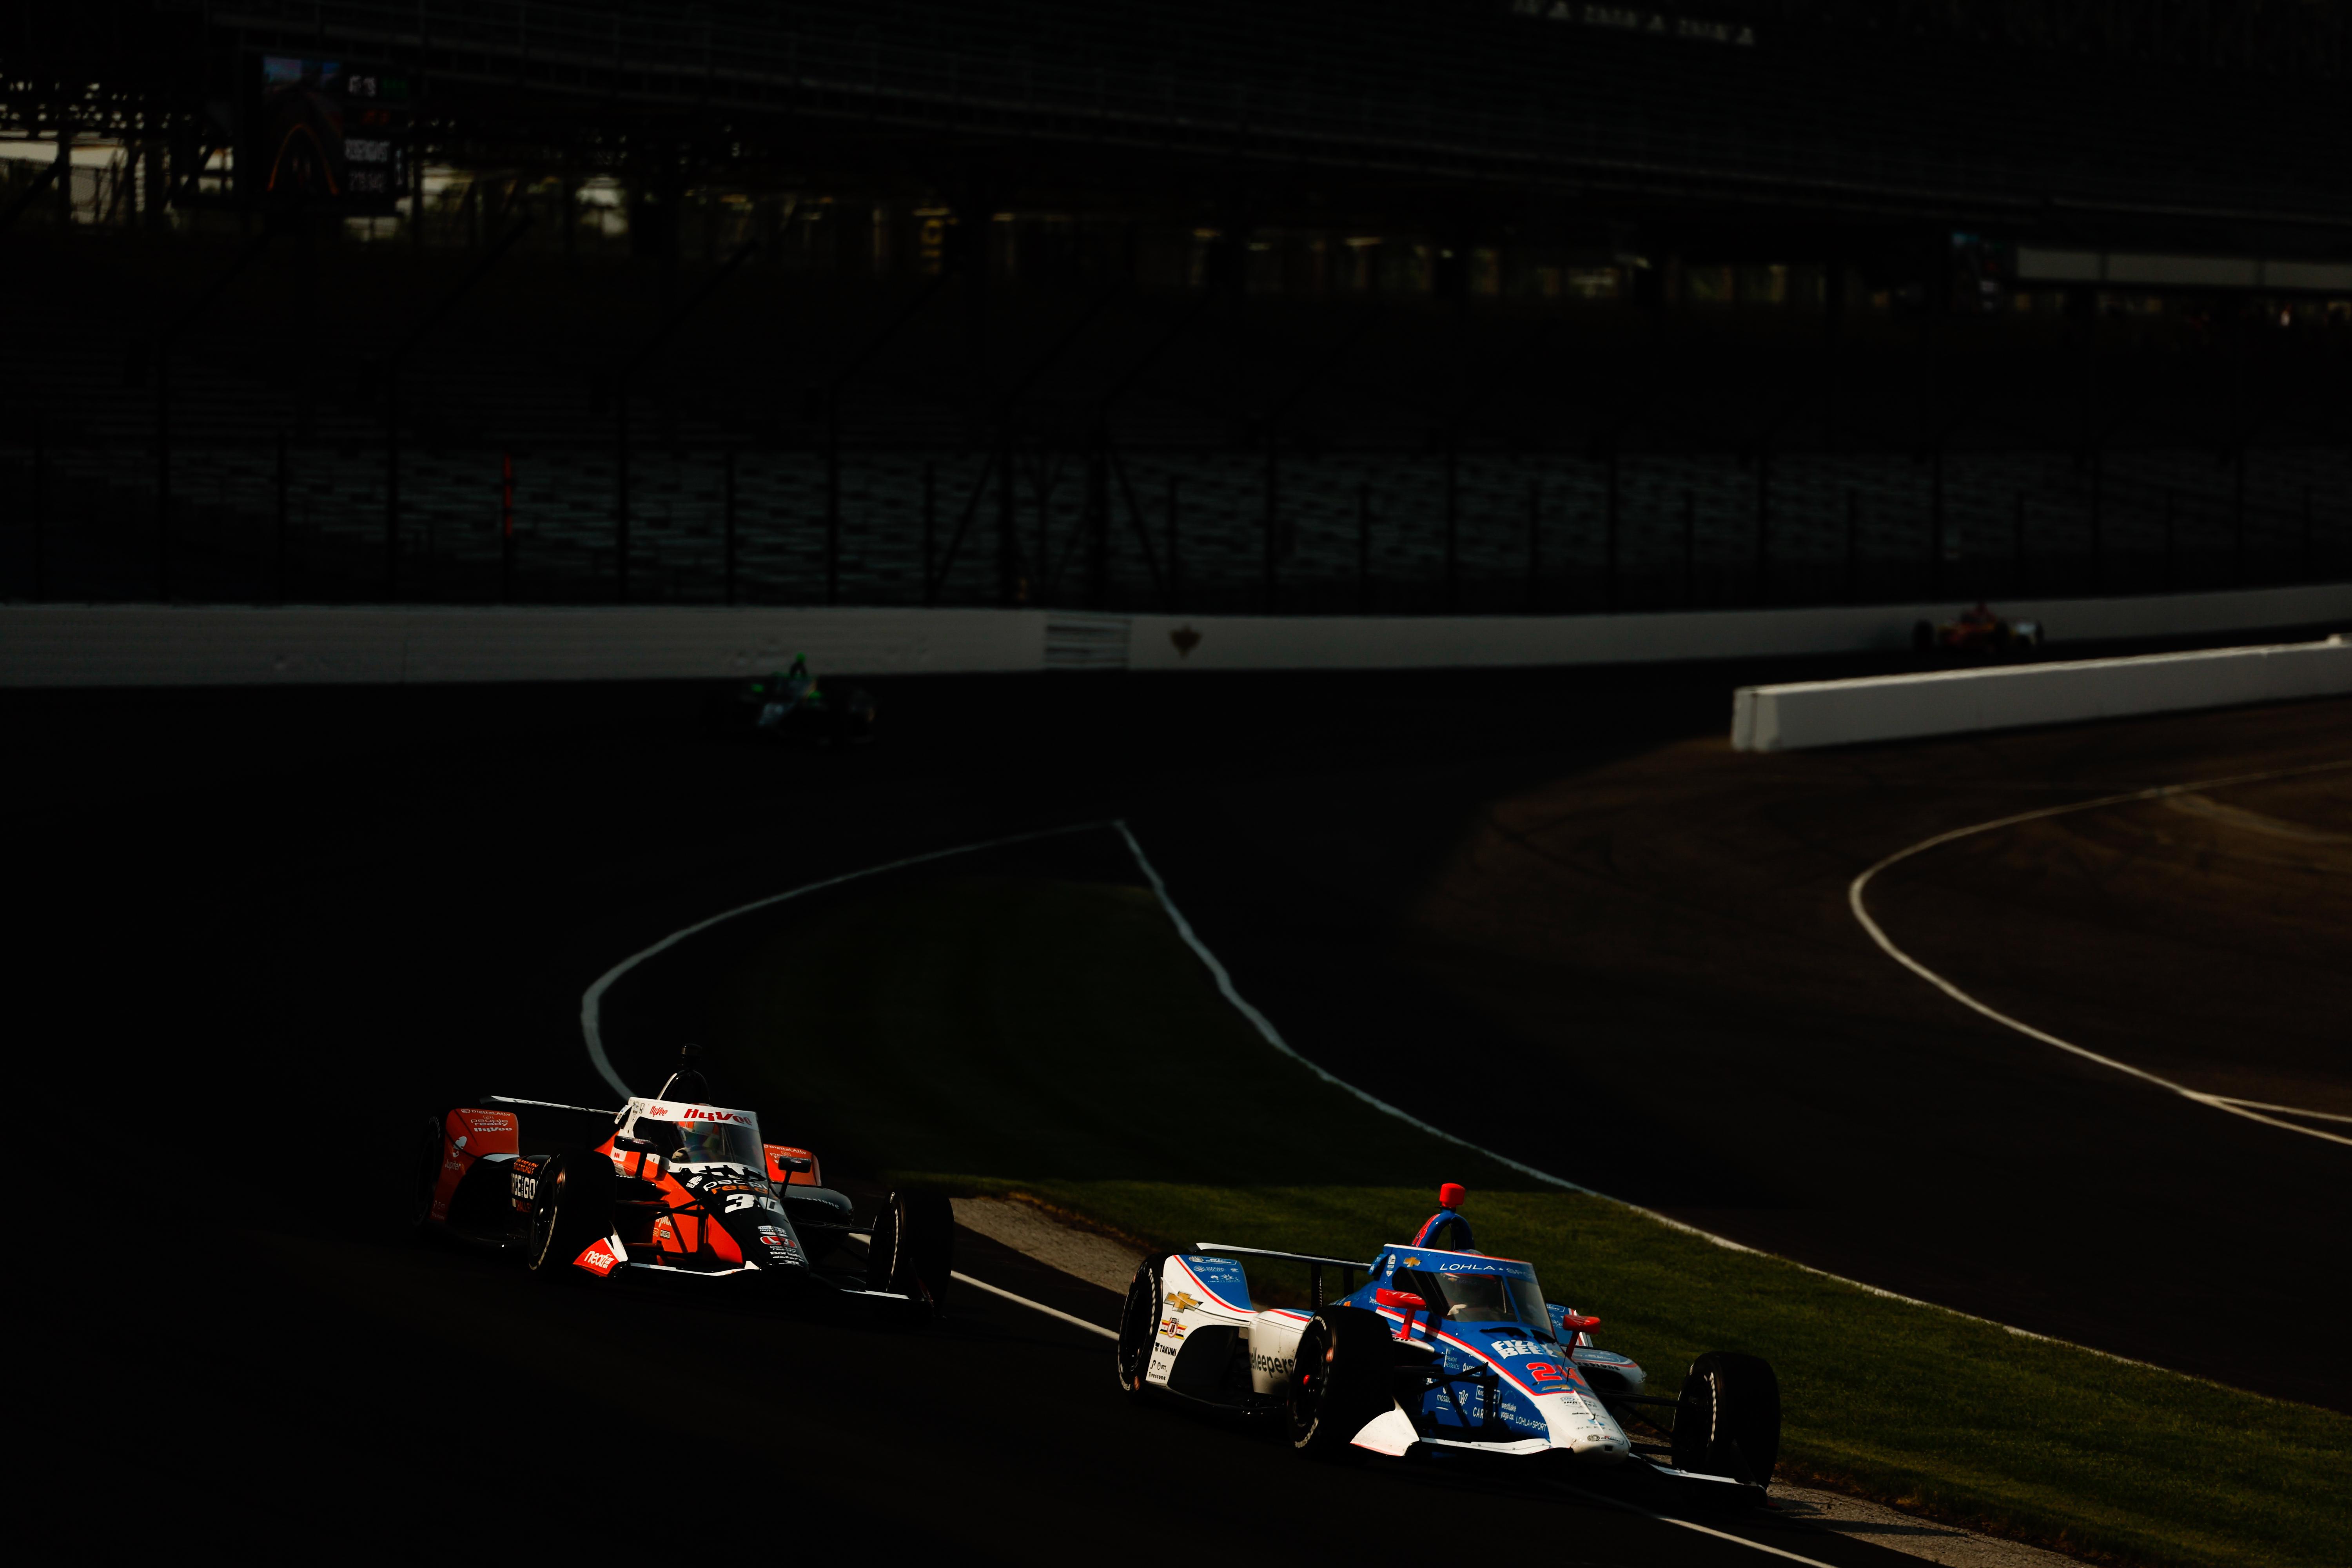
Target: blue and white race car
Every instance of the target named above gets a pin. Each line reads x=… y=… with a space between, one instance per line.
x=1436 y=1351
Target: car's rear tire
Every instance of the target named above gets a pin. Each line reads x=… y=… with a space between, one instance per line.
x=912 y=1249
x=571 y=1210
x=1138 y=1324
x=1344 y=1375
x=1727 y=1419
x=423 y=1174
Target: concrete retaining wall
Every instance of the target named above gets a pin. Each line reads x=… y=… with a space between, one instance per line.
x=132 y=645
x=1894 y=707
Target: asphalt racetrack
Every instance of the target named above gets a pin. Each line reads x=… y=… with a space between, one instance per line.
x=276 y=923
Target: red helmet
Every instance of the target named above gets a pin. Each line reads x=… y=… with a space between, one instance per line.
x=1452 y=1195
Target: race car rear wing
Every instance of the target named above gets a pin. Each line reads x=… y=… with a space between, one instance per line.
x=1315 y=1266
x=545 y=1105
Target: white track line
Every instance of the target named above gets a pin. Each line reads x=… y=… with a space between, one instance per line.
x=1273 y=1038
x=591 y=1000
x=1686 y=1524
x=2247 y=1109
x=1035 y=1306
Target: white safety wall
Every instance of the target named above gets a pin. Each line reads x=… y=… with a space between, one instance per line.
x=132 y=645
x=1897 y=707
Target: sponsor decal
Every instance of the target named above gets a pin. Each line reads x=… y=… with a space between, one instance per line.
x=1171 y=1329
x=1543 y=1371
x=1181 y=1302
x=702 y=1113
x=1264 y=1360
x=597 y=1258
x=523 y=1188
x=1510 y=1348
x=655 y=1111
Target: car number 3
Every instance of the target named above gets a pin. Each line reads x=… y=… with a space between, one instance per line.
x=737 y=1203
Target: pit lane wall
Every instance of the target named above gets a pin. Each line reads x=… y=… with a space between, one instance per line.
x=1943 y=702
x=148 y=646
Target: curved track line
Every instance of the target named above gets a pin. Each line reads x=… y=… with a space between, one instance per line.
x=2251 y=1110
x=1272 y=1037
x=591 y=1000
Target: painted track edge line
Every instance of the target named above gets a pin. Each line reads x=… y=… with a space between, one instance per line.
x=1273 y=1038
x=591 y=1000
x=1855 y=901
x=1687 y=1524
x=964 y=1278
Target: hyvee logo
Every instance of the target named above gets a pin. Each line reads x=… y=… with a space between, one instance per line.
x=696 y=1113
x=1509 y=1348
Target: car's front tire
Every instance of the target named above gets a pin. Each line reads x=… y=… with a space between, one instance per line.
x=1343 y=1377
x=570 y=1212
x=911 y=1251
x=1138 y=1324
x=1727 y=1419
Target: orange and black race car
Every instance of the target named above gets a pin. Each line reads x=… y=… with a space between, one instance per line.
x=673 y=1186
x=1980 y=632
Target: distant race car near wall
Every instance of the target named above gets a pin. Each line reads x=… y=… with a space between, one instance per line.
x=670 y=1186
x=790 y=705
x=1438 y=1353
x=1977 y=632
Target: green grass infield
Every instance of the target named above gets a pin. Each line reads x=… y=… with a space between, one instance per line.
x=1059 y=1040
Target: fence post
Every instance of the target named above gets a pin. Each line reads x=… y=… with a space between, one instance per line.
x=2238 y=516
x=1273 y=507
x=1690 y=537
x=729 y=524
x=1936 y=520
x=931 y=530
x=1609 y=544
x=2017 y=549
x=41 y=511
x=1453 y=525
x=1363 y=547
x=2171 y=559
x=1854 y=547
x=831 y=496
x=163 y=472
x=506 y=528
x=1009 y=592
x=621 y=496
x=1535 y=550
x=2098 y=553
x=278 y=574
x=1175 y=560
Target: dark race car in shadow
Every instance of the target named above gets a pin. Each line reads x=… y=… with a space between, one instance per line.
x=1977 y=633
x=791 y=705
x=671 y=1186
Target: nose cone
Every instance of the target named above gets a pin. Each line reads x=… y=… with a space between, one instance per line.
x=1582 y=1426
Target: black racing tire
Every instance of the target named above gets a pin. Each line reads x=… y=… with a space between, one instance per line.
x=1727 y=1419
x=571 y=1208
x=422 y=1174
x=1138 y=1324
x=912 y=1249
x=1343 y=1376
